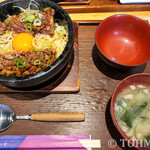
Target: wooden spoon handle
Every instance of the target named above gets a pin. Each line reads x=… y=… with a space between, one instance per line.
x=58 y=117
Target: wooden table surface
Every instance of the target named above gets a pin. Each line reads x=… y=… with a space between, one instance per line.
x=105 y=6
x=97 y=82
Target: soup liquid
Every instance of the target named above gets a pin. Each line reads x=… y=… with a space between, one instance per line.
x=132 y=111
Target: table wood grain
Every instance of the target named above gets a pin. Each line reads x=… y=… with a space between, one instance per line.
x=97 y=82
x=105 y=6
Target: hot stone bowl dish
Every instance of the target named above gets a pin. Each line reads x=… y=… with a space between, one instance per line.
x=10 y=8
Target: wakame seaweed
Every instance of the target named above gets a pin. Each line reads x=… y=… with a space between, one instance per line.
x=130 y=114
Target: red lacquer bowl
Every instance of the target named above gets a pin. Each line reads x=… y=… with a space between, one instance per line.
x=123 y=41
x=136 y=79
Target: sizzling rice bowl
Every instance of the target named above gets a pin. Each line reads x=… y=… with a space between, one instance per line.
x=41 y=41
x=31 y=41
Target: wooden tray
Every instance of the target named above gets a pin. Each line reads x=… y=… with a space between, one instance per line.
x=67 y=81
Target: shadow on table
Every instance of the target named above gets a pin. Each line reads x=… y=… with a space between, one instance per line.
x=111 y=72
x=113 y=131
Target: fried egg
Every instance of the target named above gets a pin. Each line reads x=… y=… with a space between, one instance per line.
x=22 y=42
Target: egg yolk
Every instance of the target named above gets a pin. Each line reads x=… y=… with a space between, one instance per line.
x=22 y=42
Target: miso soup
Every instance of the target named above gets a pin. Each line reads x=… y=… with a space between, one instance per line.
x=132 y=111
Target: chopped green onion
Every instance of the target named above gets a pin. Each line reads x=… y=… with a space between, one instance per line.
x=50 y=54
x=35 y=49
x=9 y=24
x=37 y=62
x=30 y=25
x=19 y=62
x=134 y=131
x=37 y=22
x=22 y=19
x=48 y=8
x=127 y=111
x=29 y=18
x=39 y=15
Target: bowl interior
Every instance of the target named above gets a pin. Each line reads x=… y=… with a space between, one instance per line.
x=124 y=39
x=141 y=78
